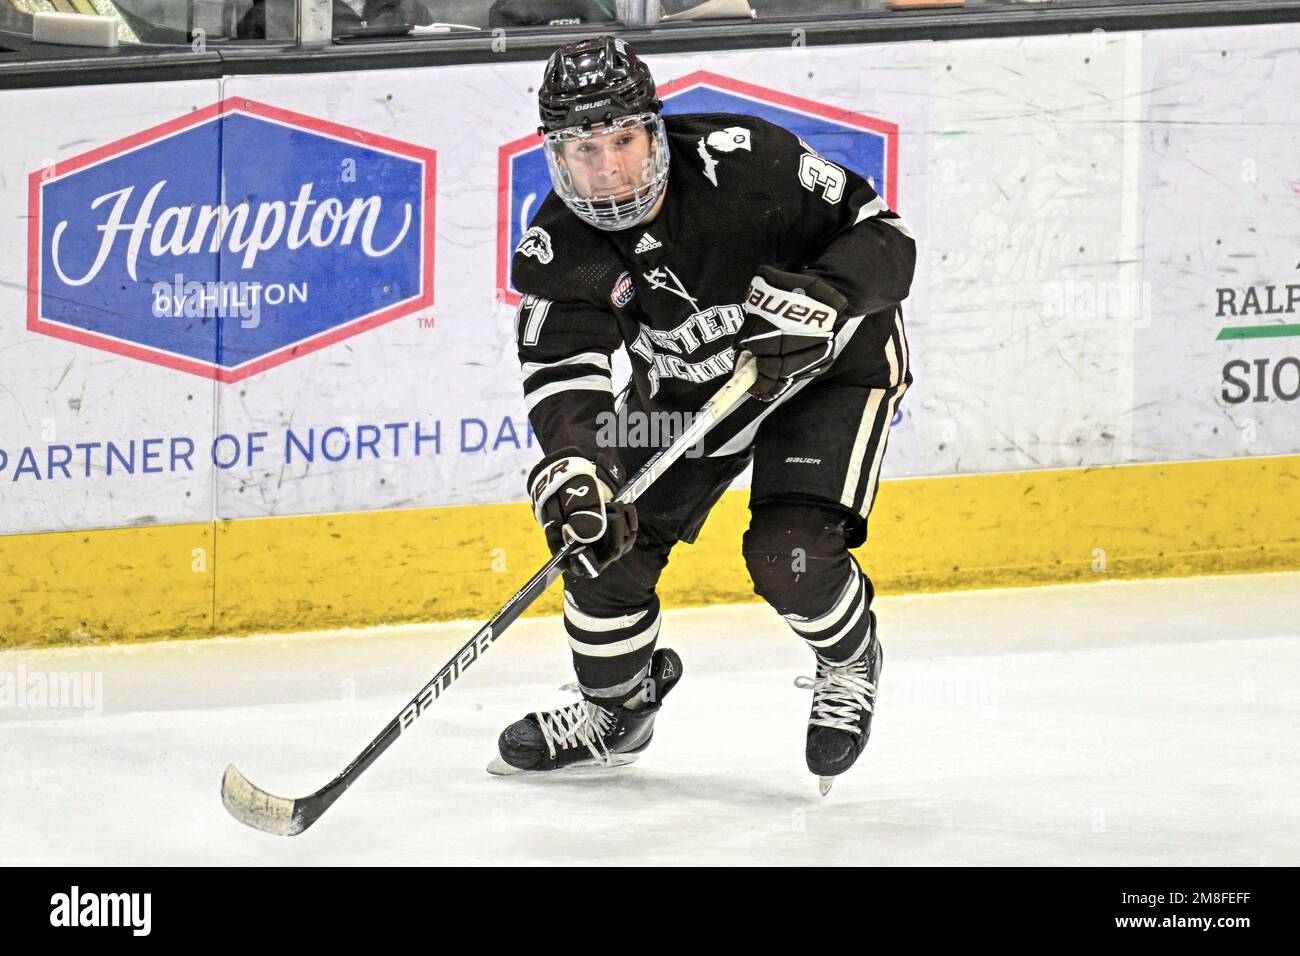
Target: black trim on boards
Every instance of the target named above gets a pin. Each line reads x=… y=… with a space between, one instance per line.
x=25 y=65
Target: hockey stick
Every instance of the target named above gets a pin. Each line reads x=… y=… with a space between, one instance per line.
x=285 y=817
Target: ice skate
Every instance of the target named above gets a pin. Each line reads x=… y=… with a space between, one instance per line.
x=844 y=697
x=584 y=733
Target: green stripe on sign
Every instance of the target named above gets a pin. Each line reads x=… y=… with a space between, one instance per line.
x=1259 y=332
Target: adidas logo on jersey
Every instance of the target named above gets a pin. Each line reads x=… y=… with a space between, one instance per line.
x=646 y=243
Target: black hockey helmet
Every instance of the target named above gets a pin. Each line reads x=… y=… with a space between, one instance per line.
x=602 y=132
x=594 y=81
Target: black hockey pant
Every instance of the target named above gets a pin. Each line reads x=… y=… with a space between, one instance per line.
x=817 y=456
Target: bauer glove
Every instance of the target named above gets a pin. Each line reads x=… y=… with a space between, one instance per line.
x=573 y=501
x=789 y=328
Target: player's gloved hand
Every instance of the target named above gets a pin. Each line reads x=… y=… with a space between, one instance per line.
x=573 y=499
x=789 y=329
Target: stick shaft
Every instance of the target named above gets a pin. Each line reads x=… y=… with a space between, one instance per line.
x=713 y=411
x=308 y=809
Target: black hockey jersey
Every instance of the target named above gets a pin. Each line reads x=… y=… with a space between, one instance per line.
x=741 y=193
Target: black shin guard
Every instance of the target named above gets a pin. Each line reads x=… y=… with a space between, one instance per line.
x=797 y=555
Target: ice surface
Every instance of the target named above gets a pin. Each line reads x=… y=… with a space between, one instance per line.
x=1117 y=723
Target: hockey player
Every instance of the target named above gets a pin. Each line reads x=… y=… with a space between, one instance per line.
x=687 y=240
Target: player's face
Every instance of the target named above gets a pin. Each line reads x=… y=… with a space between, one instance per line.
x=610 y=165
x=613 y=175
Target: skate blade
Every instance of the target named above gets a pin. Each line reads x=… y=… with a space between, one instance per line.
x=824 y=785
x=499 y=768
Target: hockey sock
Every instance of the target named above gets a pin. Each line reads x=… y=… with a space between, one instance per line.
x=841 y=633
x=611 y=654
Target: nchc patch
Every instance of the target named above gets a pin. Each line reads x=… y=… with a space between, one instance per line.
x=623 y=291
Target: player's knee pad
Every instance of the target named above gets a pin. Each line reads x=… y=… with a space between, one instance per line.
x=797 y=555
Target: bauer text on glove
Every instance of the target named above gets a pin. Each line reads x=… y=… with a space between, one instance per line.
x=789 y=328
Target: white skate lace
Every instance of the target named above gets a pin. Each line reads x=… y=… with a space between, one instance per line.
x=580 y=723
x=840 y=694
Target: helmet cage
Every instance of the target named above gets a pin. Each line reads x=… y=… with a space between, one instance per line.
x=611 y=213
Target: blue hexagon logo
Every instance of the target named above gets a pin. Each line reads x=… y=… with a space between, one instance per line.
x=230 y=240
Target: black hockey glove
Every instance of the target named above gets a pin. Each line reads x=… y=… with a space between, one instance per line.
x=573 y=501
x=789 y=329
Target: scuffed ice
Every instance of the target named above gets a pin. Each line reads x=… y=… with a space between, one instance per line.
x=1118 y=723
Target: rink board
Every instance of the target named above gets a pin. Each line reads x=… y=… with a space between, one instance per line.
x=1107 y=281
x=974 y=531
